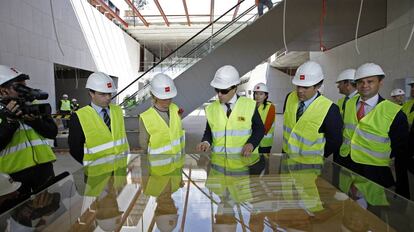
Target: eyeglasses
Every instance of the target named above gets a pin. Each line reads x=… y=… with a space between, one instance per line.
x=223 y=91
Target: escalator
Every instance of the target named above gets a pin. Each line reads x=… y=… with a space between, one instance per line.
x=247 y=40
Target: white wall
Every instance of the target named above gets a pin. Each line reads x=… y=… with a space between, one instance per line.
x=279 y=83
x=384 y=47
x=88 y=39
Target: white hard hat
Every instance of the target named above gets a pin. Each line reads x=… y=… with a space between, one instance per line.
x=368 y=70
x=74 y=99
x=225 y=77
x=7 y=185
x=261 y=87
x=100 y=82
x=162 y=86
x=308 y=74
x=224 y=227
x=109 y=224
x=396 y=92
x=347 y=74
x=9 y=73
x=166 y=222
x=411 y=82
x=65 y=95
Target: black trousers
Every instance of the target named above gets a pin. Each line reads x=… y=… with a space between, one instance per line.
x=34 y=178
x=258 y=167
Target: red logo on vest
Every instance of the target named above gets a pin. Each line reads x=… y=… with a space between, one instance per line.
x=109 y=85
x=167 y=89
x=302 y=77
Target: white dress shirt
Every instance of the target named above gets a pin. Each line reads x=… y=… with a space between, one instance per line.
x=98 y=110
x=369 y=104
x=232 y=103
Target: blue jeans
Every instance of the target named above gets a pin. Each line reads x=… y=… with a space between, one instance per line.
x=263 y=3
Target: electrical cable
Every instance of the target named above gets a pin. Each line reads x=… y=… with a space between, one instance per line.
x=357 y=27
x=409 y=38
x=284 y=25
x=54 y=28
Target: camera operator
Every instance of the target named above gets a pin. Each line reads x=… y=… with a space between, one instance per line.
x=24 y=151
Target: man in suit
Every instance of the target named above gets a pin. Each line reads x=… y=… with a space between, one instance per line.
x=234 y=128
x=375 y=131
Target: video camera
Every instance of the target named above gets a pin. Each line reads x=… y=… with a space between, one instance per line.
x=25 y=100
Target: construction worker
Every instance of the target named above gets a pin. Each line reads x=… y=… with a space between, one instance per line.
x=346 y=85
x=408 y=107
x=74 y=105
x=160 y=129
x=234 y=128
x=267 y=113
x=397 y=96
x=97 y=137
x=64 y=109
x=25 y=153
x=311 y=130
x=375 y=131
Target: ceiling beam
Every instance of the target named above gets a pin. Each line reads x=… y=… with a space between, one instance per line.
x=111 y=12
x=136 y=12
x=236 y=10
x=162 y=13
x=211 y=11
x=186 y=12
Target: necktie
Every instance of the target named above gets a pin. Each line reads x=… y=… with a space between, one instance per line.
x=361 y=110
x=106 y=118
x=300 y=110
x=343 y=105
x=228 y=112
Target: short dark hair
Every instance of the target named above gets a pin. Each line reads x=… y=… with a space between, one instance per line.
x=318 y=84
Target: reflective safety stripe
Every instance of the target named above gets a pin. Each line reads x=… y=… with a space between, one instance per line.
x=217 y=149
x=229 y=156
x=381 y=155
x=104 y=160
x=165 y=148
x=287 y=129
x=296 y=150
x=306 y=141
x=104 y=146
x=346 y=141
x=268 y=136
x=229 y=172
x=298 y=167
x=217 y=134
x=349 y=126
x=167 y=160
x=22 y=146
x=373 y=137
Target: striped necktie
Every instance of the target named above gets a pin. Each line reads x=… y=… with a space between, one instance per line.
x=300 y=110
x=106 y=118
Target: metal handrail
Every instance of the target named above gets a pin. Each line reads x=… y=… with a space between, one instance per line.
x=175 y=50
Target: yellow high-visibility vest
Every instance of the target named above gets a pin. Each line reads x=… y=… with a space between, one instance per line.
x=406 y=108
x=102 y=146
x=231 y=134
x=163 y=138
x=367 y=140
x=26 y=149
x=301 y=140
x=267 y=140
x=65 y=105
